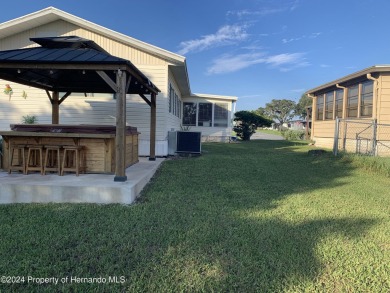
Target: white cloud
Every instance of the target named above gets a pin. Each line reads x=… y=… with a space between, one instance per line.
x=231 y=63
x=311 y=36
x=285 y=41
x=269 y=8
x=315 y=35
x=294 y=5
x=260 y=12
x=228 y=34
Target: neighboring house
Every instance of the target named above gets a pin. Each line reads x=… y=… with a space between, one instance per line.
x=295 y=124
x=210 y=114
x=360 y=102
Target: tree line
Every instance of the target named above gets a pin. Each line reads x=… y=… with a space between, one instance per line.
x=279 y=111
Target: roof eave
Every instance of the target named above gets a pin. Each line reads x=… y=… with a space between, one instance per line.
x=181 y=77
x=210 y=96
x=369 y=70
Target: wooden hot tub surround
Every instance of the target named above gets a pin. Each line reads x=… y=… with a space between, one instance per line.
x=98 y=142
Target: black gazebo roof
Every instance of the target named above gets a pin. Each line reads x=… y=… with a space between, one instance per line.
x=70 y=64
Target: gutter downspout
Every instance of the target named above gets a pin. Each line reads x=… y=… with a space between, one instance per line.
x=337 y=124
x=344 y=100
x=375 y=115
x=369 y=76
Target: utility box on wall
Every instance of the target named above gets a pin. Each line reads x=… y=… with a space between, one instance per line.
x=184 y=142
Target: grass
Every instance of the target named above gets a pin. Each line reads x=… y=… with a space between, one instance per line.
x=269 y=131
x=261 y=216
x=375 y=165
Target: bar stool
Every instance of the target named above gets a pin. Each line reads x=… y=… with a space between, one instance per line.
x=20 y=165
x=73 y=159
x=34 y=158
x=52 y=159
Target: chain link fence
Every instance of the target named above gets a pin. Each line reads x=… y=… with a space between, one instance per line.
x=362 y=137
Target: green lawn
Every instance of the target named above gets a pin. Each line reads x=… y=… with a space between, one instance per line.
x=269 y=131
x=259 y=216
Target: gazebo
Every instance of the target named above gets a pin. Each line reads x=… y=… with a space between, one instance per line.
x=65 y=65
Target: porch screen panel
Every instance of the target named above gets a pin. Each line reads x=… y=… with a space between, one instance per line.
x=366 y=98
x=189 y=114
x=320 y=107
x=221 y=115
x=352 y=100
x=205 y=114
x=329 y=97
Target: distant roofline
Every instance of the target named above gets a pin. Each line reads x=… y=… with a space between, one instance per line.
x=369 y=70
x=221 y=97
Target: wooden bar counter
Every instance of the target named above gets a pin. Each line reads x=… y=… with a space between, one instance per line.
x=98 y=142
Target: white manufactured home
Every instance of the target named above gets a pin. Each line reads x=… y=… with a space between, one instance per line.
x=177 y=106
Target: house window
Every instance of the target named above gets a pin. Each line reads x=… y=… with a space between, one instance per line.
x=171 y=95
x=320 y=107
x=329 y=105
x=220 y=115
x=205 y=114
x=174 y=102
x=366 y=99
x=189 y=114
x=179 y=109
x=339 y=103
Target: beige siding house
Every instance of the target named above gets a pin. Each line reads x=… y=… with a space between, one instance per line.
x=353 y=113
x=167 y=70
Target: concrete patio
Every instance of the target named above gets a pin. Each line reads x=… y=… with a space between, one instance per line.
x=86 y=188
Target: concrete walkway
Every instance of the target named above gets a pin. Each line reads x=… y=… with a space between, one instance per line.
x=260 y=135
x=86 y=188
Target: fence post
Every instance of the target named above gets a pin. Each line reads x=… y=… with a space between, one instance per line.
x=374 y=135
x=336 y=137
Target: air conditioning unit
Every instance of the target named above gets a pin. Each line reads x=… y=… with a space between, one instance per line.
x=184 y=142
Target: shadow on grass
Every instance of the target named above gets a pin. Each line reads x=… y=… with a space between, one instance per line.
x=211 y=223
x=230 y=237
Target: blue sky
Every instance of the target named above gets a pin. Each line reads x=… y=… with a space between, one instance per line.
x=257 y=50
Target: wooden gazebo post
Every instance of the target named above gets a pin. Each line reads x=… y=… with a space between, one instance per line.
x=152 y=156
x=55 y=105
x=120 y=139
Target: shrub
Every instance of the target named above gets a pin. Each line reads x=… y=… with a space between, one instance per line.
x=247 y=123
x=293 y=134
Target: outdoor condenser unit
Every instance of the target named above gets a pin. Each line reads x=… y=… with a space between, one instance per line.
x=184 y=142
